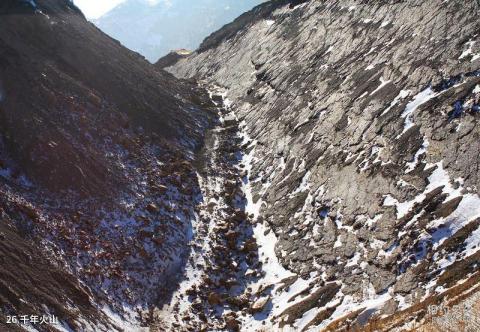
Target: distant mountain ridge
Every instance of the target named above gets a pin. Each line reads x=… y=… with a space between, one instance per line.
x=154 y=28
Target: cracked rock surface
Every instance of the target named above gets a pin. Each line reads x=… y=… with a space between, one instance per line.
x=363 y=117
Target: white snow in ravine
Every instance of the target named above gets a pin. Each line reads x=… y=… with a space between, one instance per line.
x=275 y=272
x=266 y=240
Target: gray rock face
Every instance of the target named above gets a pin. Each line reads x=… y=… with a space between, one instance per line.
x=363 y=118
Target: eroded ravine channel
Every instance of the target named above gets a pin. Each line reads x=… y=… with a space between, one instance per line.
x=233 y=280
x=223 y=261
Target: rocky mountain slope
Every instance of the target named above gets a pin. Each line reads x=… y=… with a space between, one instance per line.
x=154 y=28
x=314 y=166
x=96 y=178
x=361 y=144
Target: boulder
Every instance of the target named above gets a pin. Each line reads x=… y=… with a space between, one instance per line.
x=259 y=305
x=214 y=299
x=153 y=208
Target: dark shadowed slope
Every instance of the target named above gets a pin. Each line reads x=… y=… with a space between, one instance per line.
x=96 y=184
x=55 y=54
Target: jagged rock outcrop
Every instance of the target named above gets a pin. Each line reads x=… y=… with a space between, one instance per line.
x=172 y=58
x=362 y=117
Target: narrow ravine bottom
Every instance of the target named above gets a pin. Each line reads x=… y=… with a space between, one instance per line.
x=223 y=261
x=233 y=279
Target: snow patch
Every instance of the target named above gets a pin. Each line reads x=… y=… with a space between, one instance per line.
x=420 y=99
x=125 y=322
x=468 y=51
x=423 y=150
x=385 y=23
x=473 y=242
x=269 y=22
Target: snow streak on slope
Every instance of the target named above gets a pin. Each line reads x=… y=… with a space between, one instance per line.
x=200 y=247
x=280 y=290
x=223 y=258
x=418 y=100
x=275 y=276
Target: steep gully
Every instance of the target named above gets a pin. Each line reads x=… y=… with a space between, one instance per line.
x=223 y=256
x=115 y=251
x=233 y=279
x=232 y=273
